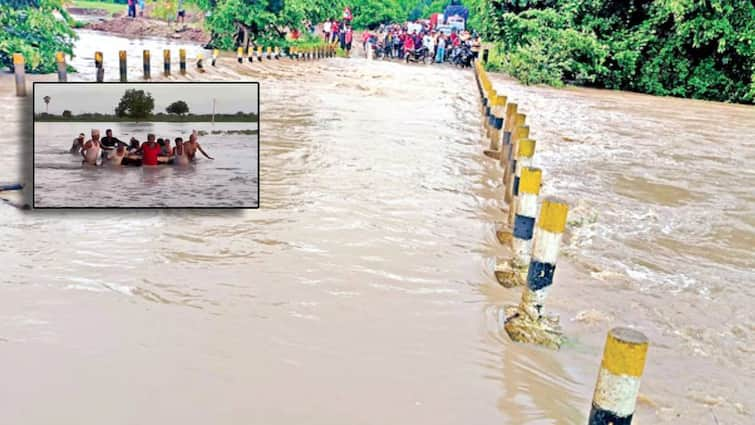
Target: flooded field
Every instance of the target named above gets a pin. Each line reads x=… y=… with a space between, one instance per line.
x=362 y=291
x=230 y=180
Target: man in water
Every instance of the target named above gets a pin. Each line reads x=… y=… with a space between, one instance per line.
x=150 y=151
x=91 y=149
x=78 y=143
x=109 y=143
x=179 y=153
x=192 y=145
x=116 y=156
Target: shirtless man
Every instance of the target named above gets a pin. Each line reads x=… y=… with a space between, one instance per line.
x=180 y=157
x=192 y=145
x=78 y=143
x=91 y=150
x=116 y=156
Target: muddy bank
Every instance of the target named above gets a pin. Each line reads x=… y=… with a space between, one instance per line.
x=146 y=27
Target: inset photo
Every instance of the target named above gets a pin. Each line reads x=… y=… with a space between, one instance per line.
x=146 y=145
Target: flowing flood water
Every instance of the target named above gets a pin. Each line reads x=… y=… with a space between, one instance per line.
x=362 y=290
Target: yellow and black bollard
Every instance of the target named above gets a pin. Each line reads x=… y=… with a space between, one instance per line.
x=619 y=377
x=200 y=64
x=19 y=66
x=146 y=64
x=60 y=58
x=122 y=66
x=240 y=54
x=269 y=52
x=182 y=61
x=166 y=62
x=259 y=53
x=99 y=68
x=277 y=52
x=215 y=54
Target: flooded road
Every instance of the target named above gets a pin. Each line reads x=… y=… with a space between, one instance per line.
x=362 y=291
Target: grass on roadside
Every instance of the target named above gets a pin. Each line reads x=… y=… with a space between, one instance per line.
x=109 y=7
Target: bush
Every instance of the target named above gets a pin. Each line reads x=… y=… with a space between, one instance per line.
x=30 y=28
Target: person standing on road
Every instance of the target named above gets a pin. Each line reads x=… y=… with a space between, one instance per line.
x=132 y=8
x=440 y=49
x=181 y=12
x=141 y=8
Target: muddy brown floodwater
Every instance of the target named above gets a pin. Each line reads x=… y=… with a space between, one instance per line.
x=362 y=291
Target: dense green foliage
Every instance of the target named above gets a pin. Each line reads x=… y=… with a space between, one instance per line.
x=686 y=48
x=135 y=104
x=31 y=28
x=265 y=20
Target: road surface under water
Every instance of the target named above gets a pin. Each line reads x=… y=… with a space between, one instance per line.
x=362 y=290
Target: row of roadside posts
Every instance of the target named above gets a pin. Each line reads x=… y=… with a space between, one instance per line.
x=533 y=228
x=251 y=54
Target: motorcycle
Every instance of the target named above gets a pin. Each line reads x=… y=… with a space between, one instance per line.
x=462 y=56
x=417 y=55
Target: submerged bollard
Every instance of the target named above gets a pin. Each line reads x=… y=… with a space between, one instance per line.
x=240 y=54
x=215 y=54
x=146 y=64
x=166 y=62
x=277 y=52
x=100 y=70
x=520 y=132
x=618 y=381
x=19 y=68
x=269 y=51
x=521 y=156
x=514 y=272
x=259 y=53
x=182 y=61
x=200 y=64
x=60 y=58
x=519 y=120
x=122 y=66
x=526 y=322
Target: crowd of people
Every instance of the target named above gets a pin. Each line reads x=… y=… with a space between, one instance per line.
x=111 y=151
x=339 y=31
x=419 y=40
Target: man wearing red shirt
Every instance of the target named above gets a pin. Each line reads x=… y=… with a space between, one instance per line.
x=150 y=151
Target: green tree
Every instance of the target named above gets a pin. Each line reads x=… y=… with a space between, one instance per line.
x=179 y=108
x=698 y=49
x=135 y=104
x=66 y=114
x=30 y=27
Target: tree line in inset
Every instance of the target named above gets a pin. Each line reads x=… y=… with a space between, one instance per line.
x=138 y=105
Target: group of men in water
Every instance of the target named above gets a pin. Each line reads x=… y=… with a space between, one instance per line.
x=109 y=150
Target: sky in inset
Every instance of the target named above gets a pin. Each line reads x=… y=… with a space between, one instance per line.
x=103 y=98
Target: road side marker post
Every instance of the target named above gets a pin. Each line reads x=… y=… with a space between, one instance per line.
x=123 y=69
x=513 y=272
x=508 y=126
x=259 y=53
x=60 y=58
x=215 y=54
x=19 y=69
x=200 y=63
x=182 y=61
x=166 y=62
x=146 y=65
x=526 y=322
x=495 y=125
x=240 y=54
x=100 y=70
x=508 y=170
x=619 y=376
